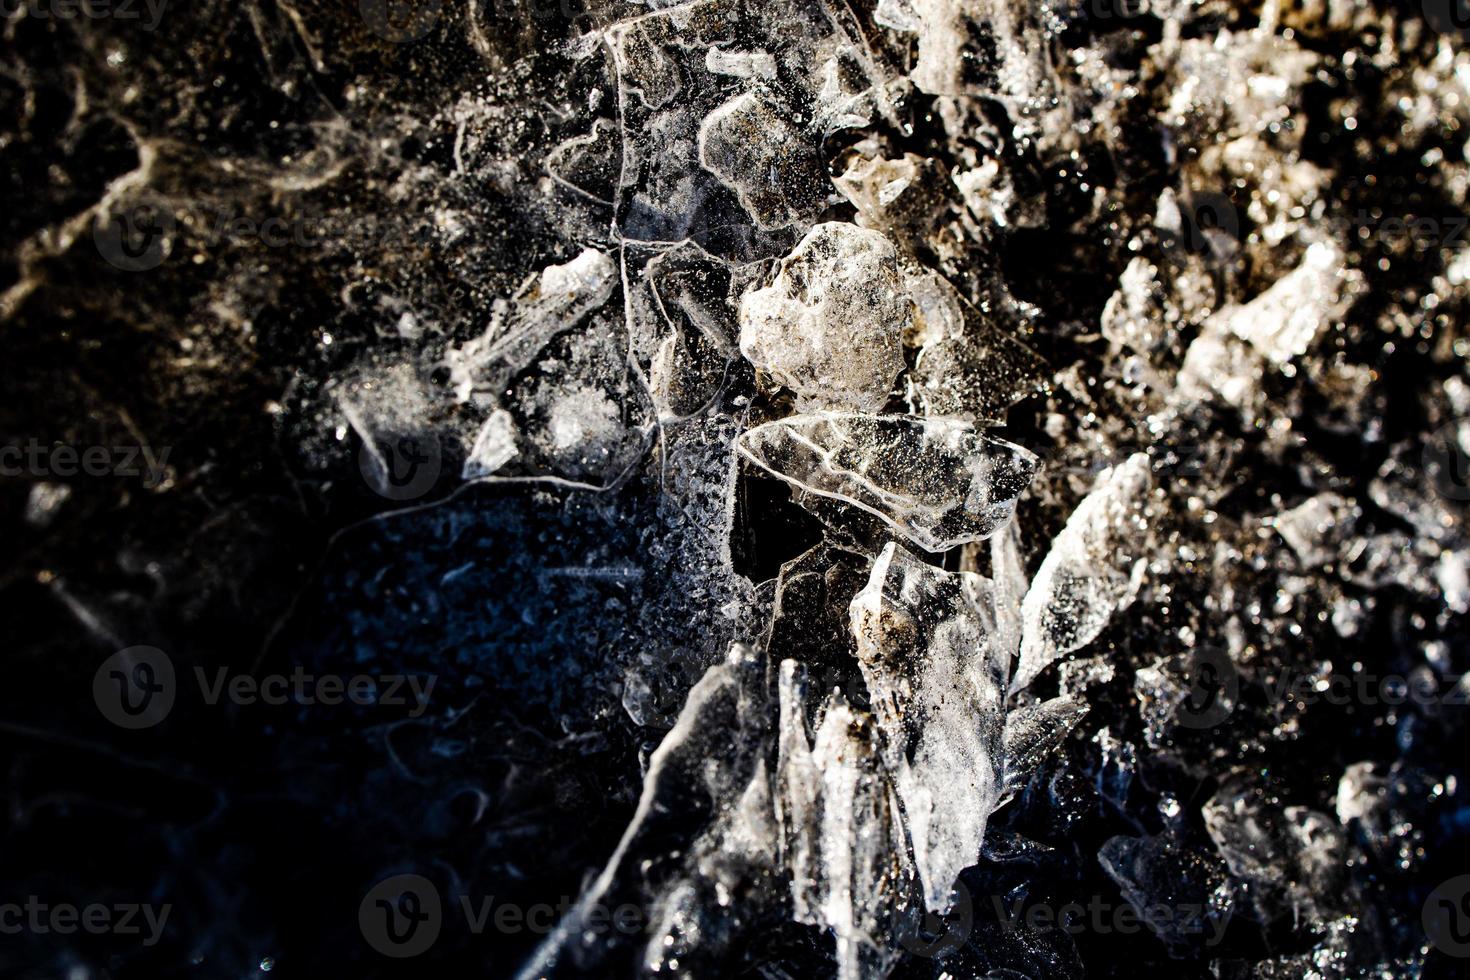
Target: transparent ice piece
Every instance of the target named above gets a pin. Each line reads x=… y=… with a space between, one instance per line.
x=1283 y=321
x=829 y=325
x=553 y=302
x=939 y=482
x=1180 y=892
x=1292 y=857
x=710 y=767
x=753 y=148
x=1033 y=732
x=843 y=843
x=969 y=363
x=741 y=64
x=1318 y=528
x=1094 y=569
x=936 y=683
x=494 y=446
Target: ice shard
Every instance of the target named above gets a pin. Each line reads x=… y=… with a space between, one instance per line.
x=937 y=683
x=1092 y=570
x=939 y=482
x=829 y=324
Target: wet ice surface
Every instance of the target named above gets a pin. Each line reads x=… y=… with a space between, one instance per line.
x=914 y=489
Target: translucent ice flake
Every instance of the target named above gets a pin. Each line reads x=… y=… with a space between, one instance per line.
x=829 y=325
x=1032 y=733
x=753 y=148
x=995 y=48
x=939 y=482
x=710 y=765
x=844 y=840
x=1093 y=569
x=494 y=446
x=936 y=681
x=589 y=164
x=1283 y=321
x=1234 y=346
x=642 y=56
x=555 y=301
x=741 y=64
x=1292 y=858
x=1234 y=88
x=681 y=325
x=1319 y=528
x=907 y=195
x=969 y=363
x=1134 y=316
x=1179 y=891
x=897 y=15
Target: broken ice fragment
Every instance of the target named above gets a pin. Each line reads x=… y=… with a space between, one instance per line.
x=1093 y=569
x=709 y=771
x=1189 y=691
x=43 y=501
x=1279 y=326
x=897 y=15
x=641 y=50
x=1134 y=316
x=969 y=363
x=741 y=64
x=681 y=325
x=1291 y=857
x=1284 y=320
x=1007 y=590
x=765 y=159
x=904 y=196
x=1032 y=732
x=494 y=446
x=939 y=482
x=843 y=842
x=994 y=48
x=828 y=326
x=559 y=297
x=1319 y=528
x=1180 y=892
x=937 y=686
x=861 y=842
